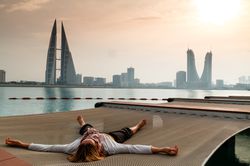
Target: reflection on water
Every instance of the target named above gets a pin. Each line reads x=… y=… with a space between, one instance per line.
x=58 y=105
x=242 y=150
x=49 y=106
x=67 y=105
x=234 y=152
x=192 y=93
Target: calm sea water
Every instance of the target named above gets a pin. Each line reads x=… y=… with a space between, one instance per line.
x=24 y=107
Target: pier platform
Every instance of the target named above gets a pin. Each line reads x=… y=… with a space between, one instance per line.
x=197 y=128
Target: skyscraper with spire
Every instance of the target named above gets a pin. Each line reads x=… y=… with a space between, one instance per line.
x=67 y=69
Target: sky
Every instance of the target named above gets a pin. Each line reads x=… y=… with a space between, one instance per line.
x=108 y=36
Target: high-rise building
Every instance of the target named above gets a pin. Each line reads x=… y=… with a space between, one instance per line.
x=2 y=76
x=219 y=84
x=117 y=80
x=124 y=79
x=137 y=81
x=50 y=73
x=79 y=79
x=192 y=75
x=99 y=81
x=181 y=79
x=206 y=77
x=89 y=81
x=67 y=69
x=68 y=73
x=131 y=76
x=193 y=80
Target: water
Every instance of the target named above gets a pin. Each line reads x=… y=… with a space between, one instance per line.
x=234 y=152
x=24 y=107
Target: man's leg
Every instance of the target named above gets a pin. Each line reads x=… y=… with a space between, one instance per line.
x=138 y=126
x=125 y=133
x=84 y=126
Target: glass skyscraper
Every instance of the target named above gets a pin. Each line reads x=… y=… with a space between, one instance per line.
x=67 y=69
x=68 y=73
x=50 y=73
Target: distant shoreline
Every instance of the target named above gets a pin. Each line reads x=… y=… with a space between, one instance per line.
x=107 y=87
x=78 y=86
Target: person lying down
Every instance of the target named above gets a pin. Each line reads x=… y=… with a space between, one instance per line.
x=93 y=145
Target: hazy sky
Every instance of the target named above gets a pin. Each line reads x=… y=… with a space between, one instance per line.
x=107 y=36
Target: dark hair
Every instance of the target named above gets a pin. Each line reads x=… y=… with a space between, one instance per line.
x=86 y=152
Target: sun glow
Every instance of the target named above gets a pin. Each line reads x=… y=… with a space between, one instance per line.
x=218 y=11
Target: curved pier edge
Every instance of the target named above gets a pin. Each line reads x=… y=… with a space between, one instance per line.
x=219 y=145
x=99 y=104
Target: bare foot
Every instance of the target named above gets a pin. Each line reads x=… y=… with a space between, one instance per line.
x=138 y=126
x=141 y=123
x=80 y=120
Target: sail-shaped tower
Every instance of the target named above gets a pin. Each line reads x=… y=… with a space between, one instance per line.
x=68 y=73
x=67 y=70
x=50 y=73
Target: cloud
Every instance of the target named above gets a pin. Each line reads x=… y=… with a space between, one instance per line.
x=27 y=5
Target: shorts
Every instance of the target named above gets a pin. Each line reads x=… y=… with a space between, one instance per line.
x=84 y=128
x=122 y=135
x=119 y=136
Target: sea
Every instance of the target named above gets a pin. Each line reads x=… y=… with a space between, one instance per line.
x=90 y=96
x=24 y=107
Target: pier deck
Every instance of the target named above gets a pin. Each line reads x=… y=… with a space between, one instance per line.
x=197 y=136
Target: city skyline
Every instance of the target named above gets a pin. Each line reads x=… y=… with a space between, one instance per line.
x=150 y=36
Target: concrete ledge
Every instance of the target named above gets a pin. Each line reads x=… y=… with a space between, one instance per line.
x=219 y=100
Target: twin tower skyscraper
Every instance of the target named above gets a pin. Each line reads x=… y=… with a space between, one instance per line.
x=67 y=69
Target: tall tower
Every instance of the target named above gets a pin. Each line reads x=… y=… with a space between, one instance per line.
x=192 y=75
x=193 y=80
x=206 y=77
x=68 y=74
x=67 y=70
x=50 y=73
x=131 y=76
